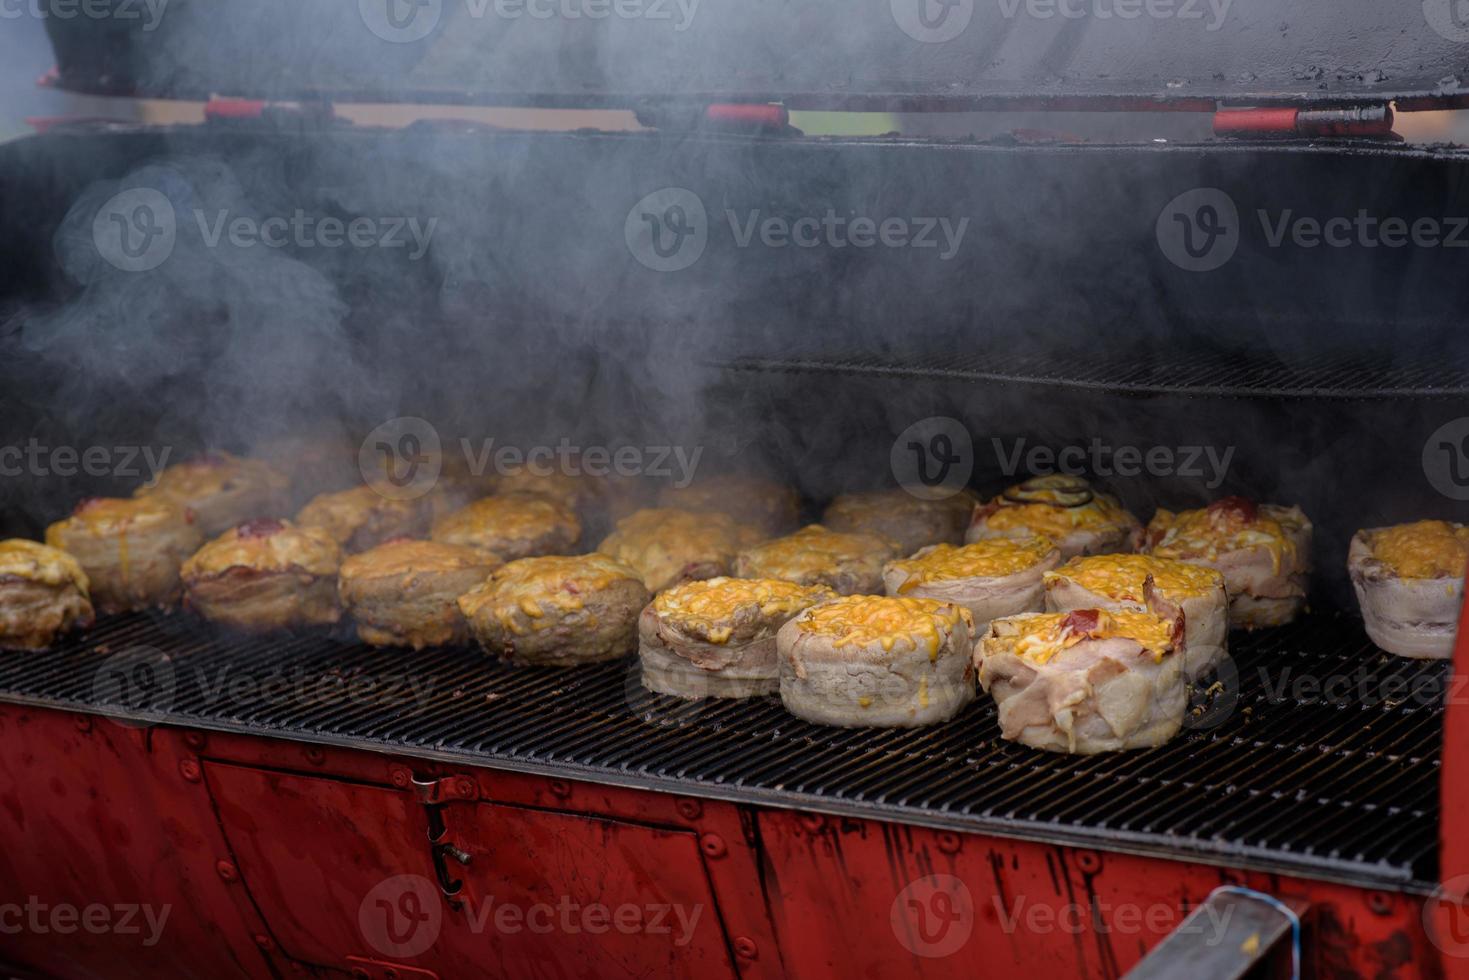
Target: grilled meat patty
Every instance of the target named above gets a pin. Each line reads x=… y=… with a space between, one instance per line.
x=362 y=518
x=908 y=521
x=222 y=490
x=406 y=593
x=668 y=546
x=512 y=525
x=1064 y=509
x=43 y=593
x=1141 y=582
x=265 y=575
x=716 y=637
x=1085 y=681
x=877 y=661
x=557 y=611
x=849 y=563
x=1263 y=551
x=1409 y=582
x=130 y=548
x=991 y=578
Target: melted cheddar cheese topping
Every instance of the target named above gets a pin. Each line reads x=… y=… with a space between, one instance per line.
x=408 y=558
x=513 y=515
x=1049 y=519
x=532 y=594
x=1040 y=636
x=1122 y=577
x=989 y=558
x=1210 y=532
x=343 y=513
x=661 y=542
x=214 y=473
x=286 y=548
x=750 y=499
x=711 y=606
x=886 y=621
x=114 y=515
x=1426 y=549
x=814 y=551
x=42 y=564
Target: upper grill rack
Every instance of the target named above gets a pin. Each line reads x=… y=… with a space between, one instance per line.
x=1341 y=786
x=1441 y=373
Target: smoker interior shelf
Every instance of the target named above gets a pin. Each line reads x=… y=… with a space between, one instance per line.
x=1427 y=374
x=1338 y=787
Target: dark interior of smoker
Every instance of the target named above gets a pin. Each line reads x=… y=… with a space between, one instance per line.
x=1057 y=321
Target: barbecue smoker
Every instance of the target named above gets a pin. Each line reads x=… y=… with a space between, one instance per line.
x=455 y=817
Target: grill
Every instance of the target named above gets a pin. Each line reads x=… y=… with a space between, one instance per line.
x=1420 y=374
x=1282 y=768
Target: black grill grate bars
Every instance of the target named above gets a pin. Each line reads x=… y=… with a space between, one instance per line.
x=1428 y=374
x=1319 y=755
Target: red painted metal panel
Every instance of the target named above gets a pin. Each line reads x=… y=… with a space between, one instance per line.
x=344 y=873
x=864 y=899
x=108 y=853
x=1449 y=913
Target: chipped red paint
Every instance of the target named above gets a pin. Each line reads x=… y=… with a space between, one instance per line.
x=283 y=859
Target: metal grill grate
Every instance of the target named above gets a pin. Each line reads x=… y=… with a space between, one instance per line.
x=1398 y=375
x=1275 y=774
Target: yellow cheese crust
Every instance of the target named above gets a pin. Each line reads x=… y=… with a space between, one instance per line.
x=509 y=515
x=42 y=564
x=711 y=607
x=543 y=590
x=102 y=516
x=343 y=513
x=1425 y=549
x=1208 y=533
x=1040 y=636
x=1047 y=518
x=214 y=473
x=886 y=621
x=405 y=558
x=1122 y=577
x=660 y=542
x=289 y=549
x=989 y=558
x=814 y=551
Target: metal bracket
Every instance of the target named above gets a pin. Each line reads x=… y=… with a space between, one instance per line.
x=447 y=790
x=1225 y=938
x=433 y=794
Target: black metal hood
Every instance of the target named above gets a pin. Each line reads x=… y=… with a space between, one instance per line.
x=875 y=54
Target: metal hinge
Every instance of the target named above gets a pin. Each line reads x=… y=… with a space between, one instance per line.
x=433 y=794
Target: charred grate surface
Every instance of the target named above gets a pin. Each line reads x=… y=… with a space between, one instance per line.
x=1320 y=756
x=1227 y=374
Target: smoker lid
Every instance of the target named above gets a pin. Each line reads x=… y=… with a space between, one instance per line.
x=840 y=54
